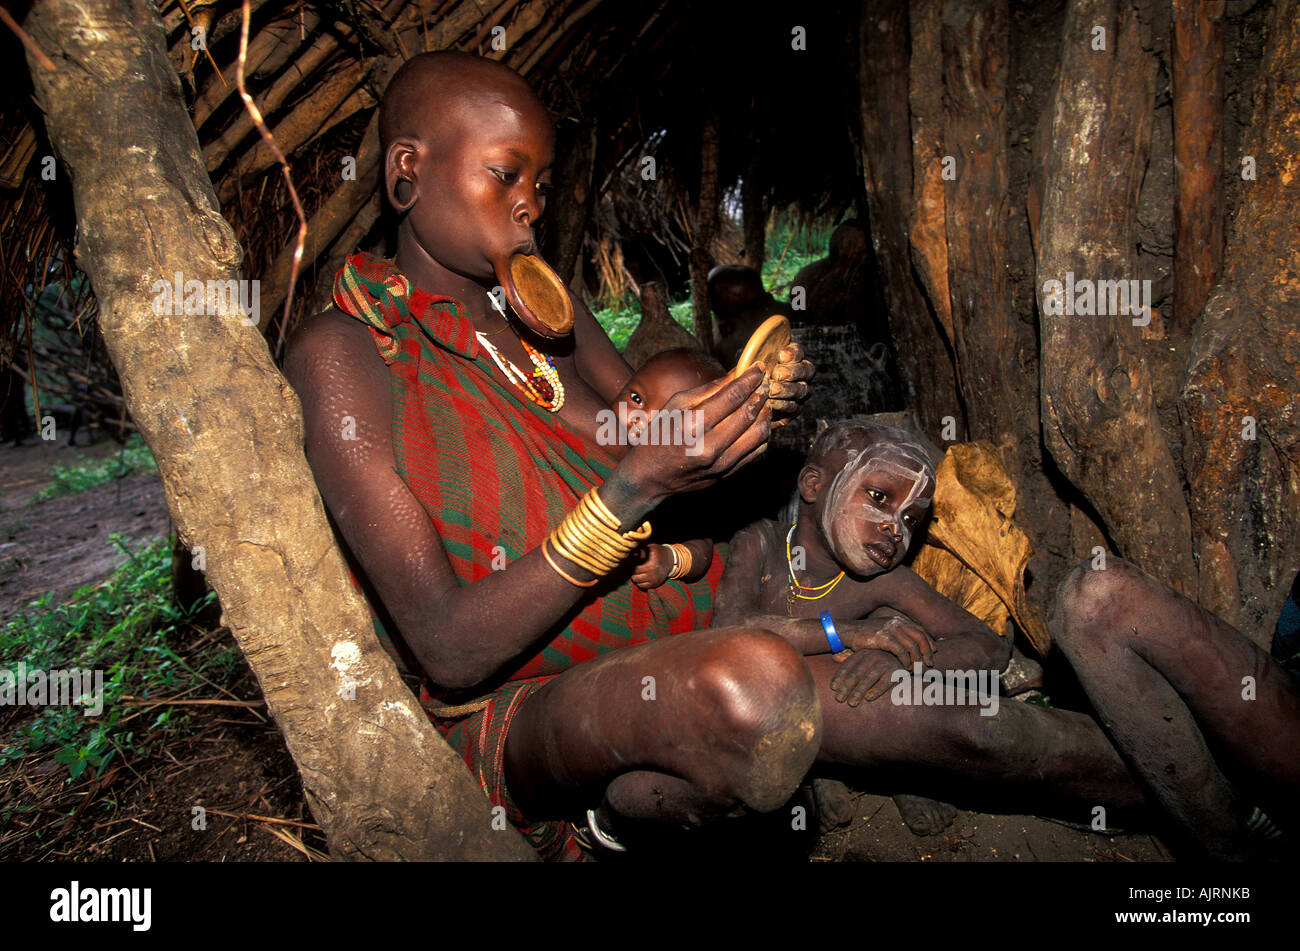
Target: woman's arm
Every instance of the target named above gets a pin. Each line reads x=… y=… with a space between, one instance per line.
x=461 y=635
x=597 y=361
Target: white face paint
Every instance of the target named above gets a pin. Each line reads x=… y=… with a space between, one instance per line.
x=865 y=518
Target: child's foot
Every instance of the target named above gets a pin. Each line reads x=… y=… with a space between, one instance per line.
x=834 y=804
x=925 y=816
x=1023 y=673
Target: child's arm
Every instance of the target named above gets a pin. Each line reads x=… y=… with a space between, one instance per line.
x=962 y=641
x=701 y=550
x=739 y=603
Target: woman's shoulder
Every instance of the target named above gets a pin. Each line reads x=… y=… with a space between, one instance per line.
x=331 y=350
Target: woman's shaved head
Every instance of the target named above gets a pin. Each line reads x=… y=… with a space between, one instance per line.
x=436 y=92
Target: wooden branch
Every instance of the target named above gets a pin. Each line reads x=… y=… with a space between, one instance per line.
x=321 y=49
x=564 y=31
x=270 y=49
x=1240 y=421
x=571 y=205
x=227 y=432
x=294 y=129
x=755 y=214
x=1099 y=416
x=1198 y=156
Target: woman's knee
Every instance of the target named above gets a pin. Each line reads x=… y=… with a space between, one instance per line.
x=764 y=714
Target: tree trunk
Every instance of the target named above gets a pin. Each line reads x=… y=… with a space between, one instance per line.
x=1241 y=421
x=929 y=237
x=996 y=355
x=573 y=201
x=1099 y=416
x=227 y=432
x=706 y=225
x=924 y=361
x=755 y=216
x=1198 y=156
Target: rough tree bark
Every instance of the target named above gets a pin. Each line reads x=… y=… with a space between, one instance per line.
x=996 y=355
x=226 y=430
x=706 y=226
x=1241 y=416
x=929 y=236
x=1099 y=417
x=1198 y=156
x=924 y=360
x=573 y=200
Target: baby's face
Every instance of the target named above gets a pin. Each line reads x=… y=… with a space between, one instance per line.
x=484 y=179
x=647 y=391
x=871 y=507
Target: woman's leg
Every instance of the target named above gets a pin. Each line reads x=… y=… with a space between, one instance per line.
x=678 y=730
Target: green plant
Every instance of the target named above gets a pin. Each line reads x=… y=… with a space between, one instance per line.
x=125 y=628
x=131 y=458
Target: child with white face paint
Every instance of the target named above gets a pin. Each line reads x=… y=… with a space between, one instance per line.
x=831 y=581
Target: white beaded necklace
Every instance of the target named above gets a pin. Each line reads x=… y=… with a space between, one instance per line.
x=545 y=367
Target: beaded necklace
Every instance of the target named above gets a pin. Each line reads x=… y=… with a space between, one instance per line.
x=794 y=594
x=543 y=386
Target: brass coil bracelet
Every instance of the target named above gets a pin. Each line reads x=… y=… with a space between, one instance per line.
x=589 y=537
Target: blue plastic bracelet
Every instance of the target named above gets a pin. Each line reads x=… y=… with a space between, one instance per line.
x=832 y=636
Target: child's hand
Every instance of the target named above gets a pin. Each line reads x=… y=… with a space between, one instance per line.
x=903 y=638
x=656 y=563
x=863 y=675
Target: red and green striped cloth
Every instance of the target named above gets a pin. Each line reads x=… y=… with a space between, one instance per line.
x=495 y=472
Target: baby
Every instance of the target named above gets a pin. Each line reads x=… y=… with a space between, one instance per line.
x=660 y=378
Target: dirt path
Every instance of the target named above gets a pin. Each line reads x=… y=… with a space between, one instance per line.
x=63 y=543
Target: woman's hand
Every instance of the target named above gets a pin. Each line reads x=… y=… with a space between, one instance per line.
x=707 y=432
x=789 y=383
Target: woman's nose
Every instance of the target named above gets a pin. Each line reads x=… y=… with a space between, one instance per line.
x=527 y=210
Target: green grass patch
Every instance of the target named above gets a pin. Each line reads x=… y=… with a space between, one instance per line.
x=131 y=458
x=791 y=246
x=129 y=628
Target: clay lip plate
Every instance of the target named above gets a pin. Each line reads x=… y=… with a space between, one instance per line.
x=765 y=345
x=542 y=292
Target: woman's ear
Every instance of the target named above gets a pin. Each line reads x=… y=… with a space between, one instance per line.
x=400 y=174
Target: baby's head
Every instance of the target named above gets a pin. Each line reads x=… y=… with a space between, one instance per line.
x=660 y=378
x=867 y=487
x=665 y=375
x=467 y=149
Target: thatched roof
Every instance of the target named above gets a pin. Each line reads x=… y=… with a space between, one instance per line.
x=622 y=80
